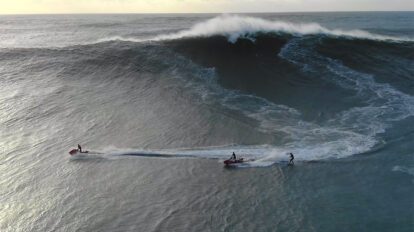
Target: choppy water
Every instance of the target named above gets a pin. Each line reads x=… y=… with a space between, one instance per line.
x=162 y=100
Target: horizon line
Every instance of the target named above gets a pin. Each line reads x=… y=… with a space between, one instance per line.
x=187 y=13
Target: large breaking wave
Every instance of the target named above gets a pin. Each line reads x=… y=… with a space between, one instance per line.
x=234 y=27
x=317 y=92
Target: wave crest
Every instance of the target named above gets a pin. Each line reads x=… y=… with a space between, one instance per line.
x=234 y=27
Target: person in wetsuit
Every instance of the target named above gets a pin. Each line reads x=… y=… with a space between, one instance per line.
x=291 y=159
x=79 y=148
x=233 y=156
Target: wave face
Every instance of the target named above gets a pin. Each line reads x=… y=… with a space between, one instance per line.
x=259 y=87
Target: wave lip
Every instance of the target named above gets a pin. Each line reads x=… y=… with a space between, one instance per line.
x=234 y=27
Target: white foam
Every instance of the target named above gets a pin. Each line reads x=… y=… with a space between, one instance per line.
x=260 y=155
x=234 y=27
x=407 y=170
x=384 y=103
x=121 y=38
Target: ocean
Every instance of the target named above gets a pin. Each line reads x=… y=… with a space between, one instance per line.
x=161 y=100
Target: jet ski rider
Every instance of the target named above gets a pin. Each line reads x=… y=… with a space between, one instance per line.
x=233 y=156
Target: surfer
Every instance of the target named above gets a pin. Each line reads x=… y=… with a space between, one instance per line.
x=291 y=159
x=233 y=156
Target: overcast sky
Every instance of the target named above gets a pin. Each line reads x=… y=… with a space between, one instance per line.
x=197 y=6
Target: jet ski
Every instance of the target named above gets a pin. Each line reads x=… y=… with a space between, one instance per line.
x=76 y=151
x=233 y=161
